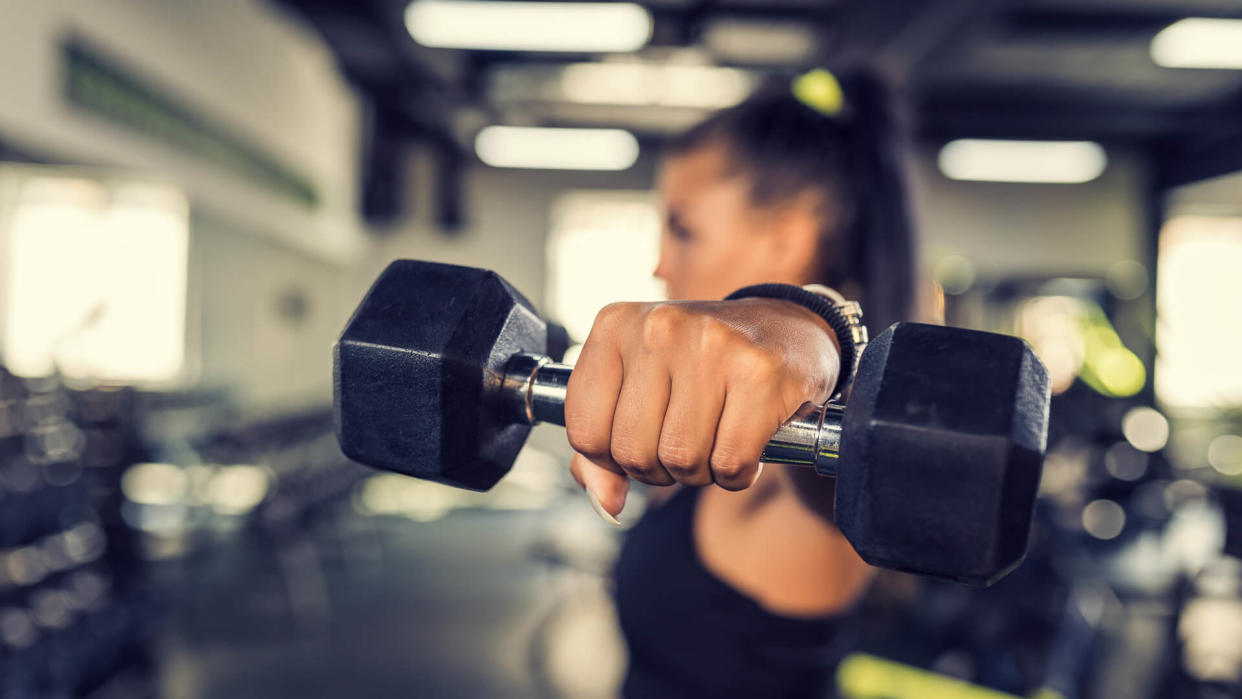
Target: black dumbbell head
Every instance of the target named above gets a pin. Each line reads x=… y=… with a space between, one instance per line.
x=942 y=451
x=416 y=364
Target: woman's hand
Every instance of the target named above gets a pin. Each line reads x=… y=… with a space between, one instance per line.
x=690 y=391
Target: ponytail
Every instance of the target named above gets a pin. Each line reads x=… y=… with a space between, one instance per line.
x=882 y=252
x=838 y=136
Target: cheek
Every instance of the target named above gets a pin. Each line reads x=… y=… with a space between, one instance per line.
x=684 y=269
x=715 y=271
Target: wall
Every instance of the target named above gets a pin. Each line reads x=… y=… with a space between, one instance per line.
x=236 y=62
x=1005 y=229
x=266 y=358
x=1219 y=196
x=508 y=218
x=266 y=79
x=1012 y=229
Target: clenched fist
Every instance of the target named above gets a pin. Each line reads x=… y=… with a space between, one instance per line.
x=690 y=391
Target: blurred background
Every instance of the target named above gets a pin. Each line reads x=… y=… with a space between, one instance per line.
x=195 y=195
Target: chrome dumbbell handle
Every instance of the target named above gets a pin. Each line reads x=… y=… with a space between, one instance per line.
x=533 y=390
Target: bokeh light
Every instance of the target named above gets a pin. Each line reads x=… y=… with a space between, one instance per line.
x=1145 y=428
x=1103 y=519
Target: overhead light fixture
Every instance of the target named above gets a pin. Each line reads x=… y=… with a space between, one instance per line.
x=761 y=43
x=585 y=27
x=556 y=149
x=1199 y=42
x=665 y=85
x=1069 y=162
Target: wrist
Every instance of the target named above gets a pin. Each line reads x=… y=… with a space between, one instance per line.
x=843 y=318
x=852 y=311
x=802 y=313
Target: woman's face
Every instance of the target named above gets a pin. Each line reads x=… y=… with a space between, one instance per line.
x=715 y=240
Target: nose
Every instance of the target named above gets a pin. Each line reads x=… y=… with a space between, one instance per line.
x=661 y=270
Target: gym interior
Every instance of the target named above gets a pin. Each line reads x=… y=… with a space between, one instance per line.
x=196 y=196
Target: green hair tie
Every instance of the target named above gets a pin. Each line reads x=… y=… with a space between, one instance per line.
x=819 y=90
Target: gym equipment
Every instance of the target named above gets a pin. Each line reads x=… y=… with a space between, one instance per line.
x=441 y=372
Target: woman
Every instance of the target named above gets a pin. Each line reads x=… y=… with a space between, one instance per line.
x=737 y=590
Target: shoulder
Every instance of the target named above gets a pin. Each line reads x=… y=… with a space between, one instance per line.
x=769 y=546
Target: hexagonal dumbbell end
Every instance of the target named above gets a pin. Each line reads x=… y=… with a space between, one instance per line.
x=942 y=450
x=417 y=364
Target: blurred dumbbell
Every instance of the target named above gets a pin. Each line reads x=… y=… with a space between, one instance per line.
x=442 y=370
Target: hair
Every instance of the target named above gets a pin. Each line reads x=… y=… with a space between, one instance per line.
x=854 y=159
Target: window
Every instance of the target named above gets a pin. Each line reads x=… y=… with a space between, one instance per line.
x=603 y=247
x=94 y=276
x=1199 y=307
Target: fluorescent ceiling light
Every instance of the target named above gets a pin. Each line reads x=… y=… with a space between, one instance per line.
x=590 y=27
x=556 y=149
x=766 y=43
x=666 y=85
x=1022 y=161
x=1199 y=43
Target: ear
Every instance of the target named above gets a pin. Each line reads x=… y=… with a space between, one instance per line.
x=795 y=243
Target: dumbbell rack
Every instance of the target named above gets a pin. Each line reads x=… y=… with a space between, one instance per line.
x=73 y=618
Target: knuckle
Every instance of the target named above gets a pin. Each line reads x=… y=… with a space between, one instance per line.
x=730 y=471
x=690 y=476
x=678 y=457
x=661 y=325
x=688 y=470
x=724 y=469
x=765 y=364
x=586 y=441
x=644 y=473
x=611 y=315
x=629 y=455
x=612 y=311
x=681 y=472
x=717 y=336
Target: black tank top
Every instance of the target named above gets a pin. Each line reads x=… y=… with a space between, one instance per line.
x=692 y=635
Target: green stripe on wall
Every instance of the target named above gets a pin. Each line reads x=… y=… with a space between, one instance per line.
x=105 y=89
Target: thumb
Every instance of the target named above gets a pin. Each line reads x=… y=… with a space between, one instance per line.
x=606 y=488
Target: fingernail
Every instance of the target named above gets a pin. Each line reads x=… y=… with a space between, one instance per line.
x=599 y=509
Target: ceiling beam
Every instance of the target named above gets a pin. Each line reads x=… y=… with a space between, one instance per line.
x=1194 y=159
x=900 y=36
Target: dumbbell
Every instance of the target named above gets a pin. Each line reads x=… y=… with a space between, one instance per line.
x=442 y=371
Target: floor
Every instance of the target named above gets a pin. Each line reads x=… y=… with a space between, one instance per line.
x=476 y=603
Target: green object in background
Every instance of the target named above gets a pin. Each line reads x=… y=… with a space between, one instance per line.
x=1108 y=366
x=101 y=87
x=819 y=90
x=863 y=676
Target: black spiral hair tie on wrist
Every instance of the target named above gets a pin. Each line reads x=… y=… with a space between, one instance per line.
x=820 y=306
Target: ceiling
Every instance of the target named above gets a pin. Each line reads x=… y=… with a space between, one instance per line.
x=987 y=68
